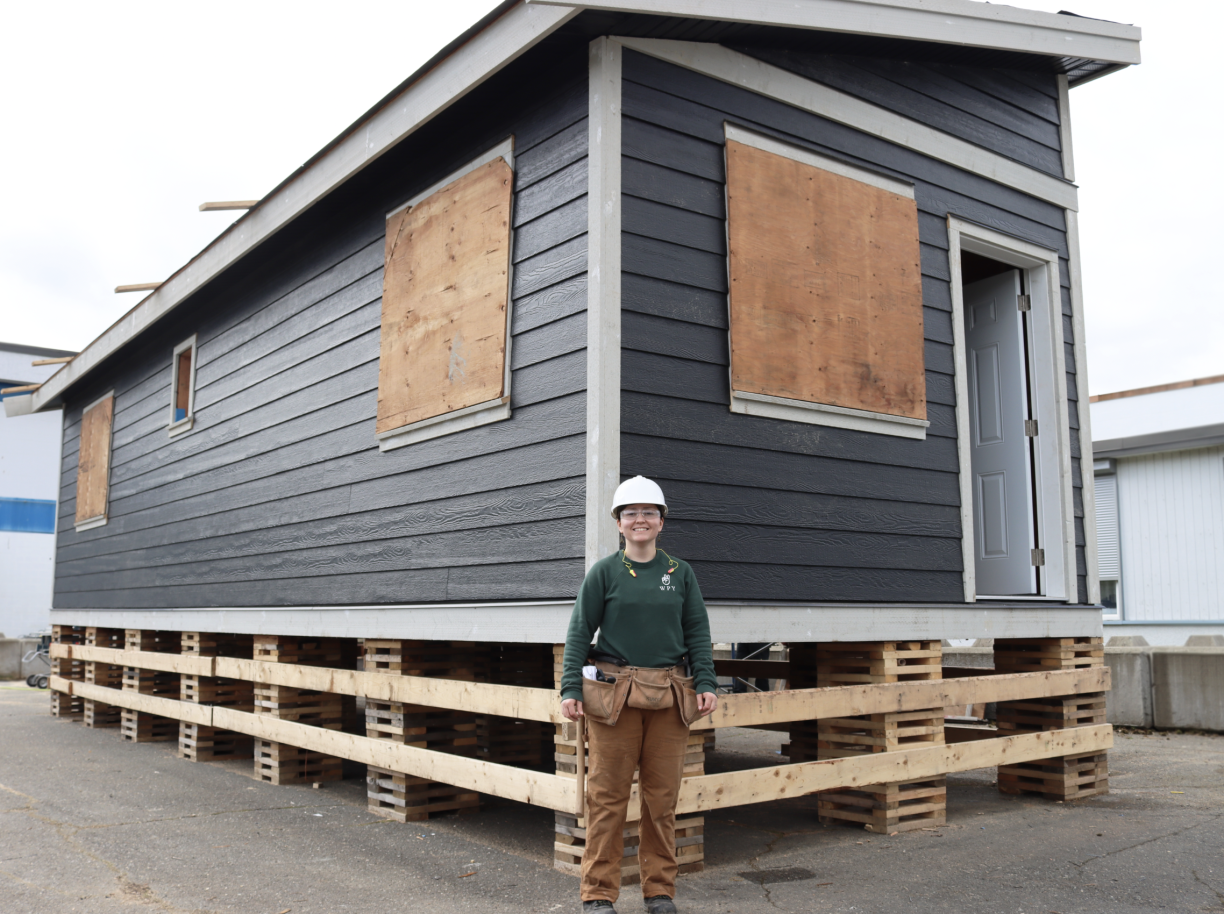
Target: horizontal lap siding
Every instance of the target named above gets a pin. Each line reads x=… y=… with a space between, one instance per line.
x=767 y=509
x=279 y=495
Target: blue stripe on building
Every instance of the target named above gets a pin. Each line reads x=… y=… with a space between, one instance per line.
x=27 y=515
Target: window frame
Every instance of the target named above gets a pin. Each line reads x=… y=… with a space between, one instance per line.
x=178 y=426
x=495 y=410
x=1108 y=468
x=756 y=404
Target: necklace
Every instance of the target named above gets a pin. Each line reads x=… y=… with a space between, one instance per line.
x=672 y=563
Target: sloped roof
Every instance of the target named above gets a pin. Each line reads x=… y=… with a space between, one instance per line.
x=1080 y=47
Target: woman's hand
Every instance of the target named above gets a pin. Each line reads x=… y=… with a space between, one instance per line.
x=571 y=709
x=706 y=703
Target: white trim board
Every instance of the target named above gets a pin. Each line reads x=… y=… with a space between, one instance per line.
x=773 y=82
x=861 y=420
x=603 y=349
x=546 y=622
x=962 y=22
x=178 y=426
x=1080 y=349
x=501 y=42
x=1052 y=471
x=477 y=414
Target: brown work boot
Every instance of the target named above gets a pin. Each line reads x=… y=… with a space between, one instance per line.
x=660 y=904
x=599 y=906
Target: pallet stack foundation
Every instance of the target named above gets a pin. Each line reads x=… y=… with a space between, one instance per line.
x=280 y=763
x=201 y=743
x=97 y=714
x=570 y=829
x=897 y=806
x=403 y=797
x=1071 y=777
x=141 y=726
x=66 y=706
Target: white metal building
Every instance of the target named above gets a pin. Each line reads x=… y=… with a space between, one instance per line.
x=1159 y=467
x=29 y=481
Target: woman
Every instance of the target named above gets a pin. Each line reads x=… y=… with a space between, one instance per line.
x=637 y=696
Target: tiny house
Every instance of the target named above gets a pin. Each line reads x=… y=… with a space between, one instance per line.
x=814 y=269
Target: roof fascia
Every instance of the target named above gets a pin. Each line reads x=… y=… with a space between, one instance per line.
x=962 y=22
x=485 y=53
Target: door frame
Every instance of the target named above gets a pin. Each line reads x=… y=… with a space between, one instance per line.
x=1052 y=466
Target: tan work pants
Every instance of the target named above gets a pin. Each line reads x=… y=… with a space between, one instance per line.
x=655 y=742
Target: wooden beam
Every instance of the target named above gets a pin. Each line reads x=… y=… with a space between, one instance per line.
x=761 y=785
x=750 y=709
x=520 y=702
x=219 y=205
x=754 y=708
x=19 y=390
x=59 y=361
x=139 y=287
x=505 y=781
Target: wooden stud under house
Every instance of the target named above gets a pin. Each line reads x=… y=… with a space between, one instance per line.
x=299 y=446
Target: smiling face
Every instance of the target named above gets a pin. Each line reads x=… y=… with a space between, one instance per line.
x=637 y=525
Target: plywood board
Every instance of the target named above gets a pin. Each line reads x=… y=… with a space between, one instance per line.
x=93 y=466
x=826 y=286
x=445 y=295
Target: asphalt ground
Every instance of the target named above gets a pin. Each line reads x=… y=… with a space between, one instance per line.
x=89 y=823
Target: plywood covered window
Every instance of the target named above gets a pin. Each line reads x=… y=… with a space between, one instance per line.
x=826 y=290
x=93 y=463
x=182 y=386
x=443 y=363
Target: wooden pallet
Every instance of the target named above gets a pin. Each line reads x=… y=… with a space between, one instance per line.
x=69 y=707
x=1070 y=777
x=403 y=797
x=140 y=726
x=278 y=763
x=894 y=806
x=196 y=742
x=97 y=714
x=570 y=837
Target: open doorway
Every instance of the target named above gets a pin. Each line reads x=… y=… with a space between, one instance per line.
x=1012 y=418
x=1006 y=549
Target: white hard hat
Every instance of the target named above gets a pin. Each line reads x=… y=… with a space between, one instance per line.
x=638 y=491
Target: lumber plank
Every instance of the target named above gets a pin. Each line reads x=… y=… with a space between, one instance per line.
x=188 y=664
x=754 y=708
x=136 y=701
x=761 y=785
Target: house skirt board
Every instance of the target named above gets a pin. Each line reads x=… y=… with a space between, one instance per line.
x=545 y=622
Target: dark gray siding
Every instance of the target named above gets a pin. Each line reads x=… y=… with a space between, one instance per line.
x=1011 y=112
x=279 y=495
x=764 y=509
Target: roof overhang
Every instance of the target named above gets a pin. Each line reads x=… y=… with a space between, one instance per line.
x=514 y=28
x=963 y=22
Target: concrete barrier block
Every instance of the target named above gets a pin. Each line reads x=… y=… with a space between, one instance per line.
x=1129 y=700
x=1188 y=688
x=10 y=658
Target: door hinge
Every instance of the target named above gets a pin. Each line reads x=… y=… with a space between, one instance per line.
x=1038 y=558
x=1030 y=428
x=1024 y=302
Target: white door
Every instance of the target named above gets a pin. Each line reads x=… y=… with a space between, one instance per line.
x=1001 y=459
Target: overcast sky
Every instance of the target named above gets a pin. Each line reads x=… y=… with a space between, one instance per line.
x=121 y=118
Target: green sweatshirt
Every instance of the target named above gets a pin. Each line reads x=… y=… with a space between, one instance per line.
x=651 y=620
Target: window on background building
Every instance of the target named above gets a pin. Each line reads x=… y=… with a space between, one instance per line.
x=182 y=386
x=1109 y=552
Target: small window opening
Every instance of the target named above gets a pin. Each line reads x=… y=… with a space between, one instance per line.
x=182 y=386
x=182 y=396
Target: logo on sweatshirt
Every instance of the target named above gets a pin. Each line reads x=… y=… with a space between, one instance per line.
x=667 y=584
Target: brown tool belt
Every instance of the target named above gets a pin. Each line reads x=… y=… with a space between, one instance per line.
x=638 y=687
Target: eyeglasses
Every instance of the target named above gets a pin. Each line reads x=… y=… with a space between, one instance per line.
x=648 y=514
